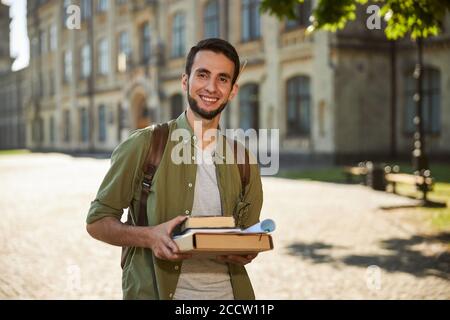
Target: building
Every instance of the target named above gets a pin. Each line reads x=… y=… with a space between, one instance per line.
x=12 y=126
x=337 y=96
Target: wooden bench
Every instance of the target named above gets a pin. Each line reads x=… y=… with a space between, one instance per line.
x=358 y=171
x=424 y=184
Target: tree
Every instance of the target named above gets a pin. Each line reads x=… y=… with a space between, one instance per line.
x=417 y=18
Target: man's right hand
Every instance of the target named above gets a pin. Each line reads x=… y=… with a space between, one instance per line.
x=161 y=243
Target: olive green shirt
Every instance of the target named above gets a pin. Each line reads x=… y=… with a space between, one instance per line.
x=172 y=193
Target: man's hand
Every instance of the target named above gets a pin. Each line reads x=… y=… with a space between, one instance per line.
x=237 y=259
x=161 y=243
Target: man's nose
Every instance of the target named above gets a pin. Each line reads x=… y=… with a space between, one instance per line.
x=211 y=85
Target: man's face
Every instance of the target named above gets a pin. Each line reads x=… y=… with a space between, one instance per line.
x=209 y=85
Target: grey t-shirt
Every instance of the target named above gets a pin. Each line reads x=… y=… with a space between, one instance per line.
x=205 y=279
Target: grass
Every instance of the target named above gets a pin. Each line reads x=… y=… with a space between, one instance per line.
x=438 y=218
x=14 y=151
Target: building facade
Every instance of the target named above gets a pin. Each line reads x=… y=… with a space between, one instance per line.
x=331 y=95
x=12 y=125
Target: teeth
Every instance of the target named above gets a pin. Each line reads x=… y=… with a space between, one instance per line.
x=209 y=99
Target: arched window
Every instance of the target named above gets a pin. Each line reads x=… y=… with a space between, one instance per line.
x=176 y=106
x=178 y=35
x=249 y=107
x=211 y=20
x=145 y=42
x=431 y=103
x=298 y=93
x=102 y=123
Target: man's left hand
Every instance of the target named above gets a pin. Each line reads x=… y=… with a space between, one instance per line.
x=237 y=259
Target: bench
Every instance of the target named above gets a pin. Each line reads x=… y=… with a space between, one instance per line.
x=358 y=171
x=423 y=183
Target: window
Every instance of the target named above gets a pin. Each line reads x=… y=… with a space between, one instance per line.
x=211 y=20
x=51 y=83
x=52 y=129
x=53 y=38
x=101 y=123
x=84 y=121
x=431 y=103
x=145 y=42
x=102 y=5
x=41 y=130
x=43 y=41
x=176 y=106
x=34 y=47
x=67 y=66
x=298 y=106
x=178 y=36
x=302 y=13
x=66 y=126
x=249 y=107
x=103 y=57
x=124 y=54
x=86 y=6
x=65 y=15
x=250 y=20
x=85 y=61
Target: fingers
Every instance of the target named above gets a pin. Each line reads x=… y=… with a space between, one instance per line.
x=169 y=251
x=236 y=259
x=174 y=222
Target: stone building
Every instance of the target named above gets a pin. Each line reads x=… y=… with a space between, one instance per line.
x=337 y=96
x=12 y=127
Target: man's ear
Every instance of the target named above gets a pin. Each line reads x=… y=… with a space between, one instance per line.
x=234 y=91
x=184 y=81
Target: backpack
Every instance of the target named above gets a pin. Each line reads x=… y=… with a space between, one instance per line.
x=151 y=163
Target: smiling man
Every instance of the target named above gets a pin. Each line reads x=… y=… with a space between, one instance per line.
x=153 y=267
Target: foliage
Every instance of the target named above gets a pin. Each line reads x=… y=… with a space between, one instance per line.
x=419 y=18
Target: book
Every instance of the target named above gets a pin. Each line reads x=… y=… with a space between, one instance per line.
x=201 y=243
x=208 y=222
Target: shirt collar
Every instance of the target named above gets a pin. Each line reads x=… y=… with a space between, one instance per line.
x=221 y=145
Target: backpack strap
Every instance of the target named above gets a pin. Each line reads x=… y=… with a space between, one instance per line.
x=154 y=156
x=244 y=168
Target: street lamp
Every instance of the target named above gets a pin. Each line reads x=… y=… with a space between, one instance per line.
x=420 y=160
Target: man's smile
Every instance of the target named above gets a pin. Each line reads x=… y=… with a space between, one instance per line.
x=208 y=99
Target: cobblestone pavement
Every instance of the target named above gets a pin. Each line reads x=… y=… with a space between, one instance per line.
x=332 y=241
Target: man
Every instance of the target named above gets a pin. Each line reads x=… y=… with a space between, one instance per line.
x=155 y=269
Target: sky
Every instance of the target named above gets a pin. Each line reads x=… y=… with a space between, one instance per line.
x=19 y=44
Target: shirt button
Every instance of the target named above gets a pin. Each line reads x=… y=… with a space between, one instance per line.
x=177 y=267
x=194 y=138
x=193 y=158
x=190 y=185
x=187 y=212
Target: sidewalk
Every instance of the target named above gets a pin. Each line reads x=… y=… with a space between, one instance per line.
x=327 y=236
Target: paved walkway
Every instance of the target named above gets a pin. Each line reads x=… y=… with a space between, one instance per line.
x=332 y=241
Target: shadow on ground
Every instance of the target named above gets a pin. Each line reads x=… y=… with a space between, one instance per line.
x=316 y=252
x=405 y=255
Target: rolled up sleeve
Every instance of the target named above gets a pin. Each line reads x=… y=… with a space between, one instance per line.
x=120 y=182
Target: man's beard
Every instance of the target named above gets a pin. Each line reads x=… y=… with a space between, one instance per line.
x=203 y=113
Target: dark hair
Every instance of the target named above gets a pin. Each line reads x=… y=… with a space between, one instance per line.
x=218 y=46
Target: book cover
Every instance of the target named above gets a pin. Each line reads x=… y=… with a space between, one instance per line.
x=208 y=222
x=210 y=243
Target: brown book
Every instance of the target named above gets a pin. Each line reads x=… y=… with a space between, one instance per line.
x=201 y=243
x=208 y=222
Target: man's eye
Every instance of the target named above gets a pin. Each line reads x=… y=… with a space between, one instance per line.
x=202 y=75
x=223 y=79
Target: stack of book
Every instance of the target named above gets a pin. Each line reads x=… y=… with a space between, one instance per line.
x=218 y=235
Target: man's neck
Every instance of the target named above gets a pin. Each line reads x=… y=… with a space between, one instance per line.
x=201 y=130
